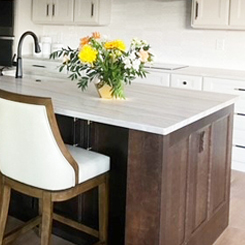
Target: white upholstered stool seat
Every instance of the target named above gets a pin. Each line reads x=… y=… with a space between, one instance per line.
x=90 y=164
x=35 y=161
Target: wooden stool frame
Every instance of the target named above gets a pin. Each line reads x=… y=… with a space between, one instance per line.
x=47 y=197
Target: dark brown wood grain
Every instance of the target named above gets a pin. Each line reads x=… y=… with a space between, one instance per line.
x=144 y=176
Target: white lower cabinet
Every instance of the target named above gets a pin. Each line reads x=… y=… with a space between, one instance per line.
x=233 y=87
x=186 y=81
x=156 y=77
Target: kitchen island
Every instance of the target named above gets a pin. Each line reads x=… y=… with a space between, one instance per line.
x=170 y=155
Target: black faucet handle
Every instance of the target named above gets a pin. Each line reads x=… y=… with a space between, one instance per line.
x=14 y=63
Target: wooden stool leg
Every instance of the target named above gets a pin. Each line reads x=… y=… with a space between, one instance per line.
x=47 y=217
x=5 y=197
x=40 y=208
x=103 y=211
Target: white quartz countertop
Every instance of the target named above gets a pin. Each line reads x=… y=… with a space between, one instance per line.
x=147 y=108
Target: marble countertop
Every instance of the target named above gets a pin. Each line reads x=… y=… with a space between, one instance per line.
x=147 y=108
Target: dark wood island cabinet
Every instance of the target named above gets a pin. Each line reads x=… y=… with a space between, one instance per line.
x=170 y=164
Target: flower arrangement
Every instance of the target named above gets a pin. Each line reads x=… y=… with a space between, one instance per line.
x=100 y=60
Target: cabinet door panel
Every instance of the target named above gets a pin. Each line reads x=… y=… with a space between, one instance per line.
x=41 y=11
x=62 y=11
x=237 y=13
x=198 y=176
x=220 y=158
x=86 y=12
x=210 y=13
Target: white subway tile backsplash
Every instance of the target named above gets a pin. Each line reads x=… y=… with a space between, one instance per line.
x=165 y=25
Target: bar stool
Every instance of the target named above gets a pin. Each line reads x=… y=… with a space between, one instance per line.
x=35 y=161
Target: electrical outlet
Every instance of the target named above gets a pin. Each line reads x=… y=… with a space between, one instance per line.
x=220 y=44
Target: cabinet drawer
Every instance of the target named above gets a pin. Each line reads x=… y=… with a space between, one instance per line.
x=156 y=78
x=224 y=86
x=186 y=82
x=43 y=68
x=239 y=137
x=240 y=105
x=227 y=86
x=239 y=122
x=238 y=154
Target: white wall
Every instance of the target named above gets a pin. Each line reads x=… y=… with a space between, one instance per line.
x=165 y=24
x=23 y=23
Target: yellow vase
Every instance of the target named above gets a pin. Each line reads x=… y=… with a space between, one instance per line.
x=104 y=90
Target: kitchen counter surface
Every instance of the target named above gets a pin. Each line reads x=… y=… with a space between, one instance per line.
x=212 y=72
x=147 y=108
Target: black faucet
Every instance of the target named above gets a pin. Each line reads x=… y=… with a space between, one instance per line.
x=19 y=72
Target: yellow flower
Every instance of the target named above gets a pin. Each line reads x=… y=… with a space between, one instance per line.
x=87 y=54
x=118 y=44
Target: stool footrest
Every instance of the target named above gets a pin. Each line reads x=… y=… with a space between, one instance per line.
x=12 y=235
x=76 y=225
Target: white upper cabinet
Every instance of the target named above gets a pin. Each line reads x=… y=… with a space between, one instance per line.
x=211 y=13
x=92 y=12
x=81 y=12
x=218 y=14
x=52 y=11
x=237 y=14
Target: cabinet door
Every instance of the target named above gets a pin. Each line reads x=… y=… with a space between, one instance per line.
x=52 y=11
x=41 y=11
x=62 y=11
x=198 y=175
x=220 y=164
x=86 y=12
x=237 y=13
x=210 y=13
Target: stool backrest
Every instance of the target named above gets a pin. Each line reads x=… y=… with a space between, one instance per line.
x=31 y=148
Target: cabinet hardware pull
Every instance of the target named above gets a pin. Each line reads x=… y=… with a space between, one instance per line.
x=240 y=114
x=201 y=142
x=184 y=82
x=197 y=5
x=47 y=10
x=92 y=10
x=240 y=89
x=240 y=146
x=53 y=10
x=39 y=66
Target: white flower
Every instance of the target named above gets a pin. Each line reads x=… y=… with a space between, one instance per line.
x=132 y=56
x=136 y=64
x=127 y=62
